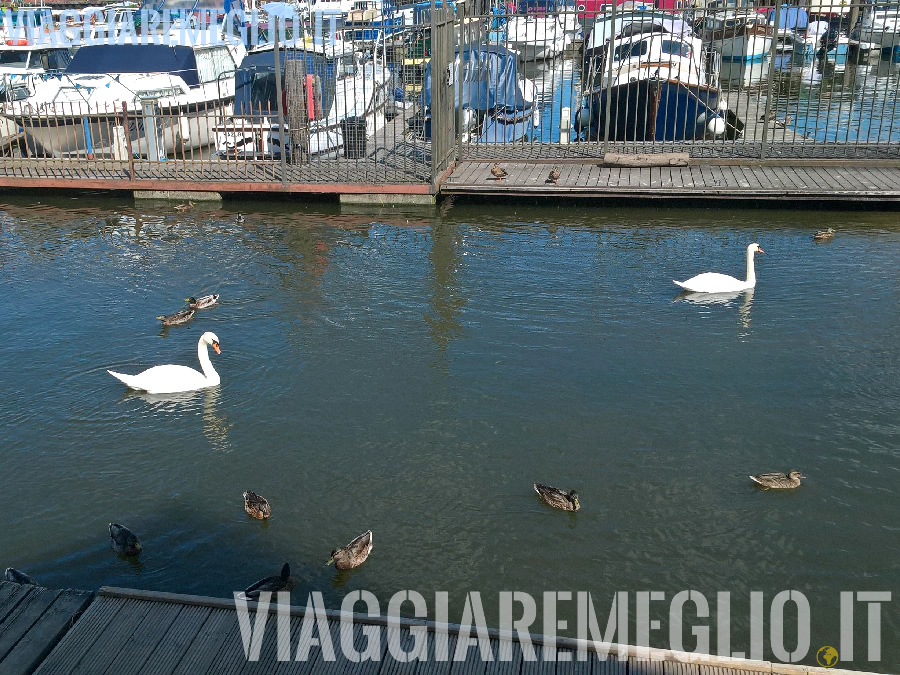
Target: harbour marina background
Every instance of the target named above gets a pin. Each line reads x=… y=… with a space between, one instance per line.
x=396 y=95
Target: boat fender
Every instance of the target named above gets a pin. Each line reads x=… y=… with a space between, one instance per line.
x=716 y=126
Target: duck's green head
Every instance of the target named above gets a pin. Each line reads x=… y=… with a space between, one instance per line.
x=191 y=299
x=573 y=496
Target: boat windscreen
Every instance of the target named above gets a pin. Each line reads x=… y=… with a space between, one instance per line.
x=14 y=59
x=536 y=6
x=136 y=58
x=254 y=82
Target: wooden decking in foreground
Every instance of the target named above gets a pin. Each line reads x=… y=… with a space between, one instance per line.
x=873 y=180
x=131 y=631
x=815 y=180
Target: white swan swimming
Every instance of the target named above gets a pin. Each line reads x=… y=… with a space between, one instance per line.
x=169 y=379
x=712 y=282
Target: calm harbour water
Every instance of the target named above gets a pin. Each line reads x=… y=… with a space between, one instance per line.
x=415 y=375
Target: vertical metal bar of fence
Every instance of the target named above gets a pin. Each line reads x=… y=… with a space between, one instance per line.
x=462 y=17
x=770 y=85
x=282 y=134
x=610 y=51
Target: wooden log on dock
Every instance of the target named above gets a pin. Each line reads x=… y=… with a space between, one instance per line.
x=641 y=160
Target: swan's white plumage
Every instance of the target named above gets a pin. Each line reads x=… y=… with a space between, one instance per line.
x=713 y=282
x=170 y=379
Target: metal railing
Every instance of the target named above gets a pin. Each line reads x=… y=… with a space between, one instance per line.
x=492 y=80
x=720 y=79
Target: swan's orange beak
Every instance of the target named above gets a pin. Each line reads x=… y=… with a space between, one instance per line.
x=759 y=250
x=216 y=347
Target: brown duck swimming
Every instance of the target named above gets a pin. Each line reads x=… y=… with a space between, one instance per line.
x=256 y=505
x=177 y=318
x=123 y=541
x=824 y=235
x=17 y=577
x=187 y=206
x=560 y=499
x=283 y=582
x=778 y=481
x=353 y=554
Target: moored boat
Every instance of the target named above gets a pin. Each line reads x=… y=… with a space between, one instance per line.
x=654 y=88
x=161 y=98
x=339 y=92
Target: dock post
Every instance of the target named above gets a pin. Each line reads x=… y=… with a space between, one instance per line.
x=152 y=133
x=565 y=126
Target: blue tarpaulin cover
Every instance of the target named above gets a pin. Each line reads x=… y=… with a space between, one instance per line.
x=794 y=18
x=489 y=78
x=136 y=58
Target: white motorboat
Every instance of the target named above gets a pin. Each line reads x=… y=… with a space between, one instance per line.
x=342 y=92
x=880 y=26
x=20 y=66
x=149 y=99
x=537 y=31
x=654 y=87
x=738 y=35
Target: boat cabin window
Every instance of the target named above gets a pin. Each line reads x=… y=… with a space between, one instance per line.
x=676 y=48
x=539 y=7
x=14 y=59
x=347 y=66
x=55 y=59
x=630 y=50
x=212 y=63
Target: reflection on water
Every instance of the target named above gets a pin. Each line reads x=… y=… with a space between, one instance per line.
x=415 y=376
x=446 y=298
x=745 y=299
x=201 y=403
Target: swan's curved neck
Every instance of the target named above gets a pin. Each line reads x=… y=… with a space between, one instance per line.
x=205 y=364
x=751 y=272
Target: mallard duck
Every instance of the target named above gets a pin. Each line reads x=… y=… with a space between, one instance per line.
x=202 y=302
x=778 y=481
x=187 y=206
x=353 y=554
x=124 y=541
x=177 y=318
x=17 y=577
x=824 y=235
x=554 y=176
x=783 y=122
x=283 y=582
x=256 y=506
x=559 y=499
x=498 y=173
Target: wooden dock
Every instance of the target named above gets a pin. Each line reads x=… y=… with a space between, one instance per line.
x=808 y=180
x=130 y=631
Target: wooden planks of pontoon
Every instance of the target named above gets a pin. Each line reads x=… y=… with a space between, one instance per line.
x=52 y=632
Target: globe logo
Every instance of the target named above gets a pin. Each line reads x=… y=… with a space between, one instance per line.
x=827 y=656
